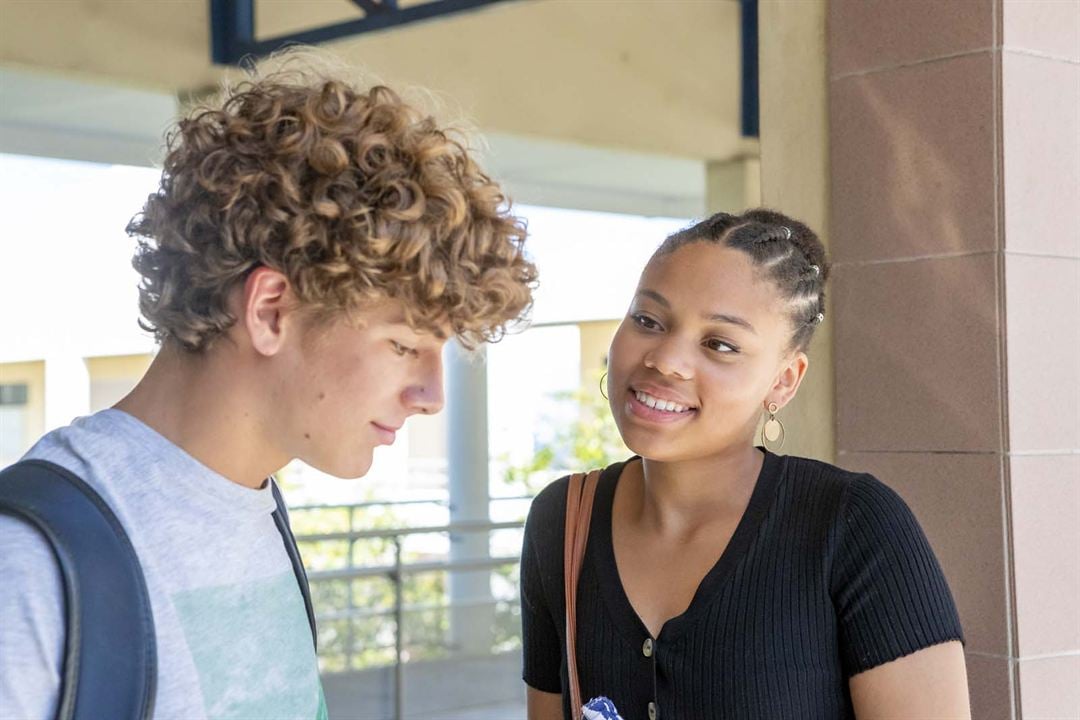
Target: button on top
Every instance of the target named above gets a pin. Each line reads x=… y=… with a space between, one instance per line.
x=652 y=711
x=646 y=647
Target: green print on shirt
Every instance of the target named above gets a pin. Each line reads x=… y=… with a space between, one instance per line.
x=251 y=644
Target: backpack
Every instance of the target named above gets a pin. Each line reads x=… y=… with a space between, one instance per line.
x=110 y=659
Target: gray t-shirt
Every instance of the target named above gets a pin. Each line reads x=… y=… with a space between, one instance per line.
x=233 y=640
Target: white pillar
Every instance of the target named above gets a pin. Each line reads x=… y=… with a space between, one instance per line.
x=472 y=620
x=67 y=389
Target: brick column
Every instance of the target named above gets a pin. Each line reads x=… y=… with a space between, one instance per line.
x=955 y=189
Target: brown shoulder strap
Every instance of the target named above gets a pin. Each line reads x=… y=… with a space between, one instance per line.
x=579 y=502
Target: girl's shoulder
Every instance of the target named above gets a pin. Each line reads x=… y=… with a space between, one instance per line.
x=825 y=494
x=552 y=499
x=814 y=470
x=547 y=515
x=823 y=478
x=857 y=501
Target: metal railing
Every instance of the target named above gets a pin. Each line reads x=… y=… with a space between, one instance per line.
x=394 y=503
x=399 y=570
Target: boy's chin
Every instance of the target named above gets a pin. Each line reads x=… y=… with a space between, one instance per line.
x=350 y=468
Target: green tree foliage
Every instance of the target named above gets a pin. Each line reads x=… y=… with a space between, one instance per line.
x=591 y=442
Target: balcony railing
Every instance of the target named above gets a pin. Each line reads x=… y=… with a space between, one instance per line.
x=397 y=572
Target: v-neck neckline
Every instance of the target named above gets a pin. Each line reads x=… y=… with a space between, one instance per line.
x=622 y=610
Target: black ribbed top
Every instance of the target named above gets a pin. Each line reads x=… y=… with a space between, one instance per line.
x=827 y=574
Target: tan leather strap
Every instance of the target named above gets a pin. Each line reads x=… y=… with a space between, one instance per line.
x=579 y=502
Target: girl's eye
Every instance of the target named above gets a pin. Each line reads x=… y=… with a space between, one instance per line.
x=403 y=349
x=646 y=322
x=720 y=346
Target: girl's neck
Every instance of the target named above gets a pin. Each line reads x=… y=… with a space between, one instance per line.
x=680 y=498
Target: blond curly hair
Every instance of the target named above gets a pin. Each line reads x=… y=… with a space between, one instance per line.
x=353 y=194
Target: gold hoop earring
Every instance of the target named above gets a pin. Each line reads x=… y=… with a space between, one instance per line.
x=603 y=394
x=773 y=429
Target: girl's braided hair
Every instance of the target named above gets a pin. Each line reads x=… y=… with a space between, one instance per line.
x=785 y=250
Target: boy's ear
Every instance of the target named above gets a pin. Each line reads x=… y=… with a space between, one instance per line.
x=267 y=300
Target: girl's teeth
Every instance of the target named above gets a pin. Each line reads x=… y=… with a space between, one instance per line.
x=664 y=405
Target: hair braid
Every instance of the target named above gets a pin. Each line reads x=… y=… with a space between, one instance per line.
x=782 y=248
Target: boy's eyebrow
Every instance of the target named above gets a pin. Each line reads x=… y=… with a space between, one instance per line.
x=715 y=317
x=399 y=319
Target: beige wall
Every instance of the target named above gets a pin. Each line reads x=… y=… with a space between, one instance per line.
x=111 y=378
x=795 y=180
x=595 y=341
x=733 y=185
x=33 y=375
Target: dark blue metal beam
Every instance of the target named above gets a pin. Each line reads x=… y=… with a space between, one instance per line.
x=750 y=109
x=232 y=25
x=375 y=6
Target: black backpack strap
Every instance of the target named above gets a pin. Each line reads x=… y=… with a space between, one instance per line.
x=110 y=657
x=281 y=519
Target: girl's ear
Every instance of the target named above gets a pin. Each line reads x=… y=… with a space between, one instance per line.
x=788 y=381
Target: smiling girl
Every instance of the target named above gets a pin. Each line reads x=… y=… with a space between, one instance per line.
x=721 y=580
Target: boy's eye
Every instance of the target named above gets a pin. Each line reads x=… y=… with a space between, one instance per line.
x=403 y=349
x=645 y=321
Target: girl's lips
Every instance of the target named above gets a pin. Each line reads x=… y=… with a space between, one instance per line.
x=640 y=410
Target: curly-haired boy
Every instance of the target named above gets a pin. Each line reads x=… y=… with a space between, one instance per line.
x=311 y=248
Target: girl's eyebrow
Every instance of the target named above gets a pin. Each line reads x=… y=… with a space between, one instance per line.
x=732 y=320
x=655 y=296
x=715 y=317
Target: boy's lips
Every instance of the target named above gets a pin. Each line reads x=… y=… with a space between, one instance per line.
x=387 y=434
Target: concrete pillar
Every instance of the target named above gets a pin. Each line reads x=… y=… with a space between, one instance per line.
x=67 y=389
x=795 y=180
x=733 y=185
x=955 y=163
x=471 y=621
